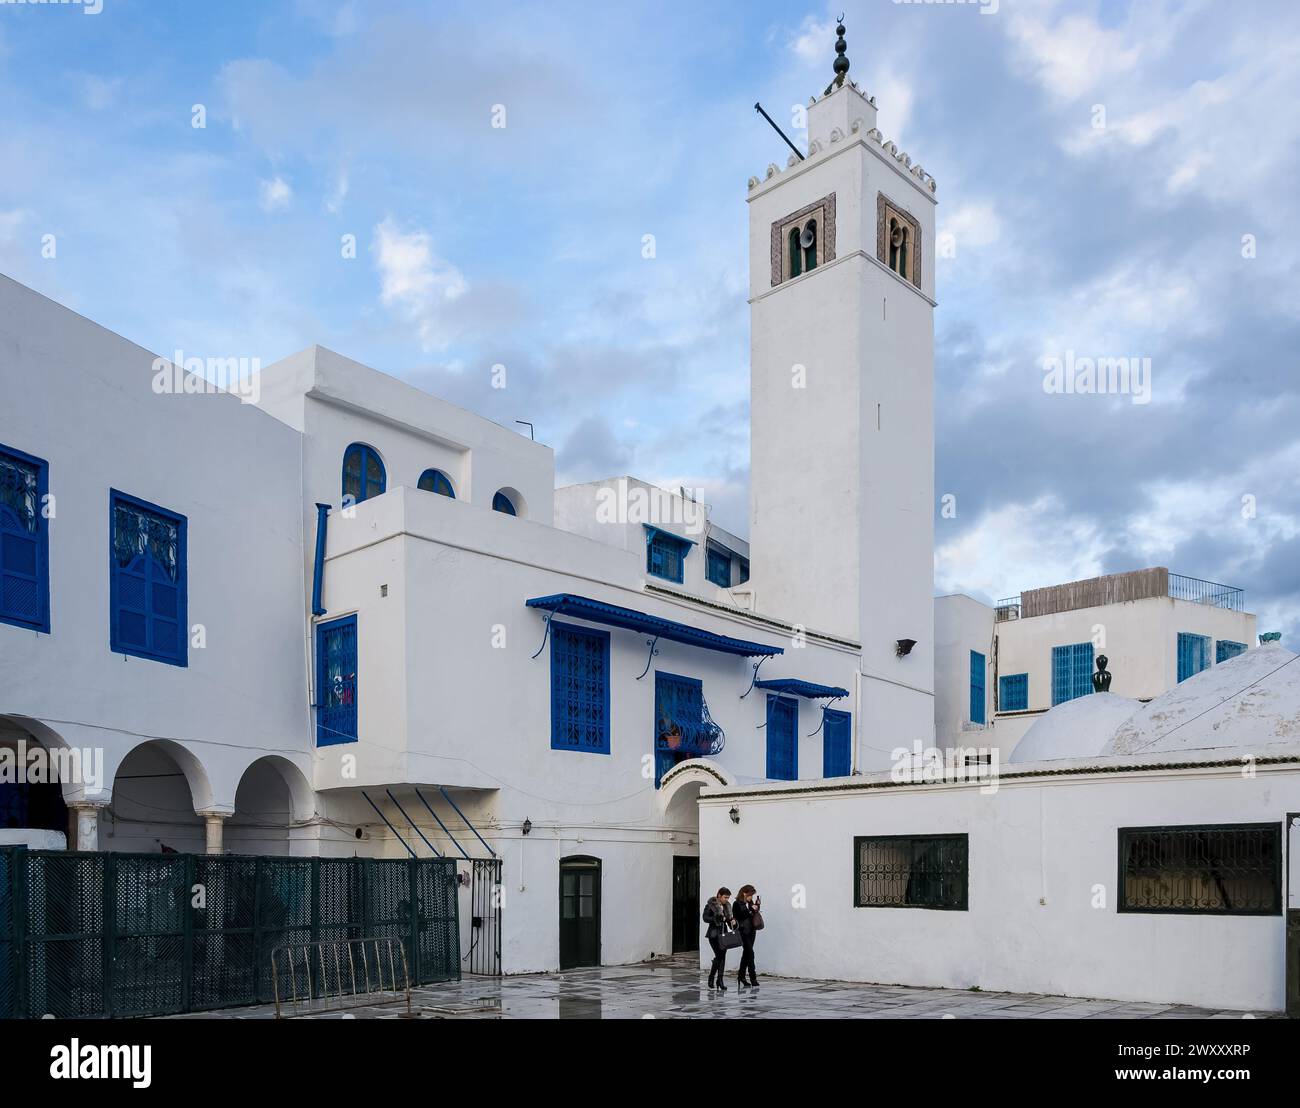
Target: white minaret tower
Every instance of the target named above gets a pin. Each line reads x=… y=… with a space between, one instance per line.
x=842 y=405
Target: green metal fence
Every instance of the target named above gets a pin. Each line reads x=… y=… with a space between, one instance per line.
x=87 y=934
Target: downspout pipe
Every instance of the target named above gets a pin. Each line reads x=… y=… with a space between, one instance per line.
x=318 y=570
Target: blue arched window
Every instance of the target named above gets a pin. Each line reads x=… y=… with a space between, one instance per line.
x=503 y=503
x=363 y=473
x=434 y=480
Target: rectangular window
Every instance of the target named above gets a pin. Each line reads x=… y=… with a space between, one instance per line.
x=336 y=681
x=1219 y=869
x=24 y=541
x=665 y=554
x=718 y=568
x=744 y=572
x=147 y=581
x=977 y=671
x=1193 y=654
x=579 y=689
x=911 y=871
x=1226 y=648
x=782 y=738
x=837 y=744
x=1013 y=692
x=1071 y=671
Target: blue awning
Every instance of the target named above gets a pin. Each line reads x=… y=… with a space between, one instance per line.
x=597 y=611
x=795 y=687
x=651 y=531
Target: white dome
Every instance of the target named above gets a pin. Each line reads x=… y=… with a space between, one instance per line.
x=1079 y=728
x=1250 y=701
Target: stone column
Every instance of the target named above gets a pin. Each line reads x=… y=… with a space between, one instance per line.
x=85 y=819
x=214 y=822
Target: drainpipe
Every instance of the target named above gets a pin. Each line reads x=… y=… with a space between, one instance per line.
x=318 y=572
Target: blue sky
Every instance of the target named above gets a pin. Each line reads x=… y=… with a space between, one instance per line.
x=522 y=245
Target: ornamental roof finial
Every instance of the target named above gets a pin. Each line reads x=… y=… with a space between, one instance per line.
x=841 y=59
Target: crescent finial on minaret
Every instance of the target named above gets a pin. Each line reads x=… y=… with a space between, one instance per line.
x=841 y=58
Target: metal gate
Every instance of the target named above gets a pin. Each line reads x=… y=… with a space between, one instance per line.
x=485 y=917
x=103 y=934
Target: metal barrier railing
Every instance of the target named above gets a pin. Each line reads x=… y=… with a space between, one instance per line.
x=308 y=978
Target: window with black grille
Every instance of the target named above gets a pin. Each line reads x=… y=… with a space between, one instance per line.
x=911 y=871
x=1223 y=869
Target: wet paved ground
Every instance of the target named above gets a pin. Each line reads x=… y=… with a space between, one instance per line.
x=674 y=988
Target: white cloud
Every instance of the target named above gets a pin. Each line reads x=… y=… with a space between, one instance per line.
x=973 y=225
x=274 y=195
x=1074 y=56
x=338 y=193
x=810 y=42
x=1042 y=543
x=415 y=282
x=100 y=93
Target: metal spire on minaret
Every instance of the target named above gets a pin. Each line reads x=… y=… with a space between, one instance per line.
x=841 y=59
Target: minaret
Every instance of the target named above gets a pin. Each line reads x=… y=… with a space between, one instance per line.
x=842 y=403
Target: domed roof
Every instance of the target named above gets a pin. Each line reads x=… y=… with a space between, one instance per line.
x=1079 y=728
x=1248 y=702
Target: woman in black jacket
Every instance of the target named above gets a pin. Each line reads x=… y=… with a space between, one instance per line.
x=747 y=906
x=717 y=914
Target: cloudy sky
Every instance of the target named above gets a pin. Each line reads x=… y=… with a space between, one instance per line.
x=1117 y=180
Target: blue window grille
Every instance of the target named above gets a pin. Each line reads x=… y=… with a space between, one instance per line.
x=665 y=554
x=363 y=473
x=1071 y=671
x=837 y=744
x=1013 y=692
x=1193 y=654
x=147 y=581
x=24 y=541
x=683 y=727
x=718 y=567
x=1225 y=649
x=434 y=480
x=502 y=503
x=782 y=738
x=579 y=689
x=336 y=681
x=977 y=687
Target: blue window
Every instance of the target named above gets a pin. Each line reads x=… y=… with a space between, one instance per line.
x=579 y=689
x=977 y=687
x=718 y=567
x=24 y=541
x=147 y=581
x=363 y=473
x=744 y=572
x=434 y=480
x=1071 y=671
x=1193 y=654
x=782 y=738
x=1013 y=692
x=1225 y=649
x=336 y=681
x=679 y=712
x=665 y=554
x=837 y=744
x=502 y=503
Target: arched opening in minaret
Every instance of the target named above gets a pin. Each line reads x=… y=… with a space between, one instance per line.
x=898 y=248
x=810 y=252
x=794 y=253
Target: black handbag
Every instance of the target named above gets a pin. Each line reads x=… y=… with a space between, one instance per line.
x=729 y=940
x=758 y=920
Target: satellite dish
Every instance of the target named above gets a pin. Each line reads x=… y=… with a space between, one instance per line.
x=807 y=238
